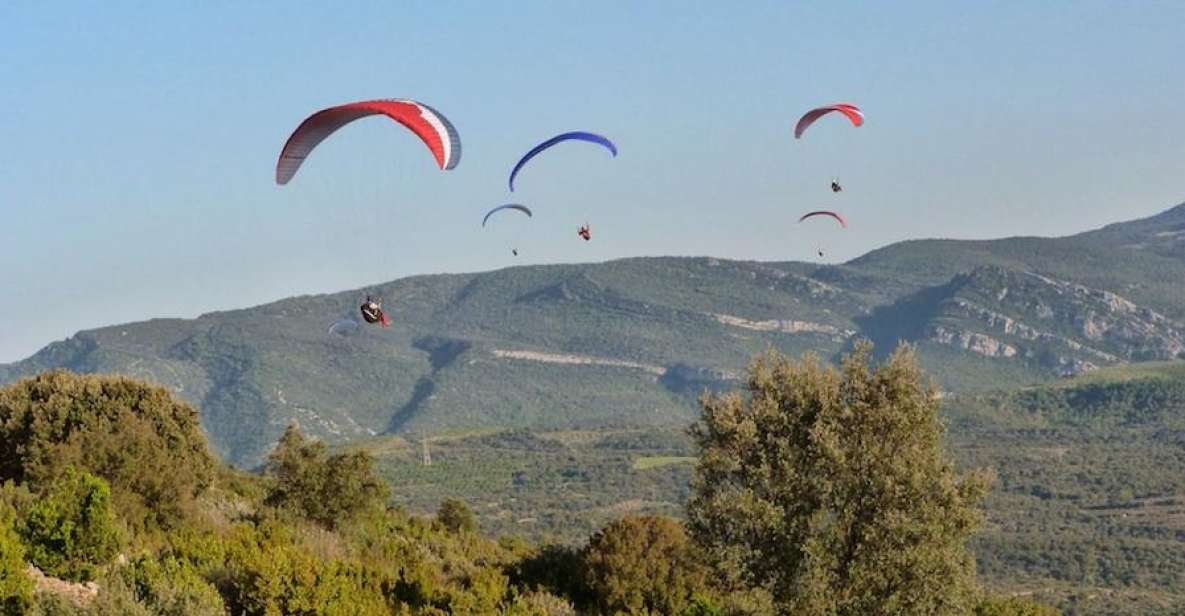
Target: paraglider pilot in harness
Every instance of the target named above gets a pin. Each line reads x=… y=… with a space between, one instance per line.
x=584 y=232
x=372 y=312
x=835 y=187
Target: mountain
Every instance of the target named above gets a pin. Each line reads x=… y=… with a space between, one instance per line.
x=631 y=342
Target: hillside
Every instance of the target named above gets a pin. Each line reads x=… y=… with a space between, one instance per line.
x=630 y=342
x=1088 y=510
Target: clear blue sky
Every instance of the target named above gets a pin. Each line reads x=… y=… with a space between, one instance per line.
x=139 y=139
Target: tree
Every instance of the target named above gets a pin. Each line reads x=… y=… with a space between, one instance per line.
x=72 y=529
x=831 y=489
x=329 y=490
x=148 y=446
x=455 y=515
x=644 y=564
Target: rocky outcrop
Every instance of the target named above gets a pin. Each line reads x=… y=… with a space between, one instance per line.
x=971 y=341
x=577 y=360
x=787 y=326
x=79 y=594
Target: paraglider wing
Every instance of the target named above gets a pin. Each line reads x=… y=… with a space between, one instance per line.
x=843 y=223
x=428 y=124
x=576 y=135
x=849 y=110
x=342 y=326
x=509 y=206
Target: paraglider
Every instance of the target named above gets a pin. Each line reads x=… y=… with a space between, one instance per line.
x=838 y=217
x=849 y=110
x=428 y=124
x=825 y=213
x=372 y=312
x=509 y=206
x=835 y=187
x=584 y=232
x=343 y=327
x=572 y=136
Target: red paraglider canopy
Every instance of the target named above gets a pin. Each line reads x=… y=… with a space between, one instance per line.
x=428 y=124
x=852 y=112
x=836 y=215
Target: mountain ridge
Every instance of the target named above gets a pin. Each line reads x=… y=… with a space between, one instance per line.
x=478 y=351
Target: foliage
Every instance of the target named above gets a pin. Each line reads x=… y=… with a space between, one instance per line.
x=539 y=604
x=831 y=489
x=558 y=568
x=456 y=516
x=702 y=606
x=16 y=589
x=146 y=445
x=644 y=564
x=72 y=529
x=170 y=587
x=1012 y=606
x=327 y=489
x=267 y=573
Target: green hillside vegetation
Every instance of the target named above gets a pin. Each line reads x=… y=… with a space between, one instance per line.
x=313 y=534
x=1086 y=512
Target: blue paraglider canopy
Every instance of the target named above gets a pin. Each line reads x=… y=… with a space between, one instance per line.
x=572 y=136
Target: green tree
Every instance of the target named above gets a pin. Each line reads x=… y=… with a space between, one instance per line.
x=16 y=589
x=328 y=490
x=72 y=529
x=455 y=516
x=147 y=446
x=831 y=489
x=644 y=564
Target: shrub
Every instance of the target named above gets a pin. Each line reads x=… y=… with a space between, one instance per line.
x=148 y=446
x=455 y=516
x=16 y=589
x=328 y=490
x=644 y=564
x=72 y=529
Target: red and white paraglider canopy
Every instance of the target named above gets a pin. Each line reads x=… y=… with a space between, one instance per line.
x=428 y=124
x=849 y=110
x=836 y=215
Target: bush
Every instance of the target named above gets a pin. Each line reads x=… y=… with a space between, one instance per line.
x=455 y=516
x=148 y=446
x=16 y=589
x=644 y=564
x=328 y=490
x=1012 y=606
x=170 y=587
x=539 y=604
x=266 y=573
x=72 y=529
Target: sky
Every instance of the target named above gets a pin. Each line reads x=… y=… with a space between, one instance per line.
x=138 y=140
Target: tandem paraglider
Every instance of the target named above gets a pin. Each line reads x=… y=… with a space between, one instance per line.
x=372 y=312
